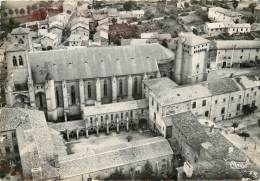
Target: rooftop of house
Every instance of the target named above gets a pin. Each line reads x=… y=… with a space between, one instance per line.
x=180 y=94
x=79 y=24
x=192 y=130
x=51 y=36
x=20 y=30
x=128 y=153
x=237 y=44
x=249 y=80
x=223 y=149
x=217 y=169
x=155 y=85
x=192 y=40
x=83 y=62
x=221 y=86
x=115 y=107
x=225 y=11
x=33 y=138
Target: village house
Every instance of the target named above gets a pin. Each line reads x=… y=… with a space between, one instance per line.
x=228 y=53
x=218 y=14
x=49 y=41
x=214 y=29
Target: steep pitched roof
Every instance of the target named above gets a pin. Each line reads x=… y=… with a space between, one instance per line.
x=85 y=63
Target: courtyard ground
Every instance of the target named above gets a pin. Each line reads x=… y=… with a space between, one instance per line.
x=114 y=141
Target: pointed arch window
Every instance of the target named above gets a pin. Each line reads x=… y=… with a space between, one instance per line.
x=89 y=90
x=120 y=87
x=57 y=97
x=105 y=88
x=73 y=95
x=135 y=86
x=14 y=61
x=20 y=59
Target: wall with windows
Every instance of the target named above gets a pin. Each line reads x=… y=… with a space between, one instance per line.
x=8 y=146
x=228 y=57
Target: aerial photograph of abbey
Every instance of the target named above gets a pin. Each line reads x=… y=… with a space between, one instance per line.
x=129 y=90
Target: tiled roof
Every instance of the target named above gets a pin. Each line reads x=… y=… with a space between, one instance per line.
x=221 y=86
x=20 y=30
x=128 y=153
x=248 y=80
x=51 y=36
x=155 y=85
x=221 y=149
x=93 y=62
x=230 y=44
x=115 y=107
x=225 y=11
x=69 y=125
x=190 y=127
x=193 y=40
x=76 y=25
x=176 y=95
x=10 y=118
x=33 y=138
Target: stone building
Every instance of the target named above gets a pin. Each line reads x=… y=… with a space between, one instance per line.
x=191 y=59
x=217 y=28
x=49 y=41
x=218 y=14
x=62 y=82
x=217 y=100
x=228 y=53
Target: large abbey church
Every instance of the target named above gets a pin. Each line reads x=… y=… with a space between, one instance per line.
x=62 y=82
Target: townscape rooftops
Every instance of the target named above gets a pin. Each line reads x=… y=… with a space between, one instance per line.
x=221 y=86
x=189 y=126
x=225 y=11
x=249 y=80
x=50 y=35
x=131 y=152
x=223 y=149
x=179 y=94
x=236 y=44
x=33 y=138
x=155 y=85
x=82 y=63
x=227 y=25
x=193 y=40
x=77 y=25
x=20 y=30
x=115 y=107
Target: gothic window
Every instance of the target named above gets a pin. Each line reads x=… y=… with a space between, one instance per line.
x=73 y=95
x=14 y=61
x=105 y=88
x=89 y=90
x=57 y=97
x=120 y=87
x=135 y=86
x=20 y=59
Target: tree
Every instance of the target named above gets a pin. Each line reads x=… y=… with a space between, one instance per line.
x=235 y=125
x=148 y=14
x=129 y=138
x=235 y=4
x=117 y=175
x=128 y=6
x=251 y=7
x=244 y=134
x=246 y=109
x=186 y=4
x=147 y=172
x=251 y=19
x=22 y=11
